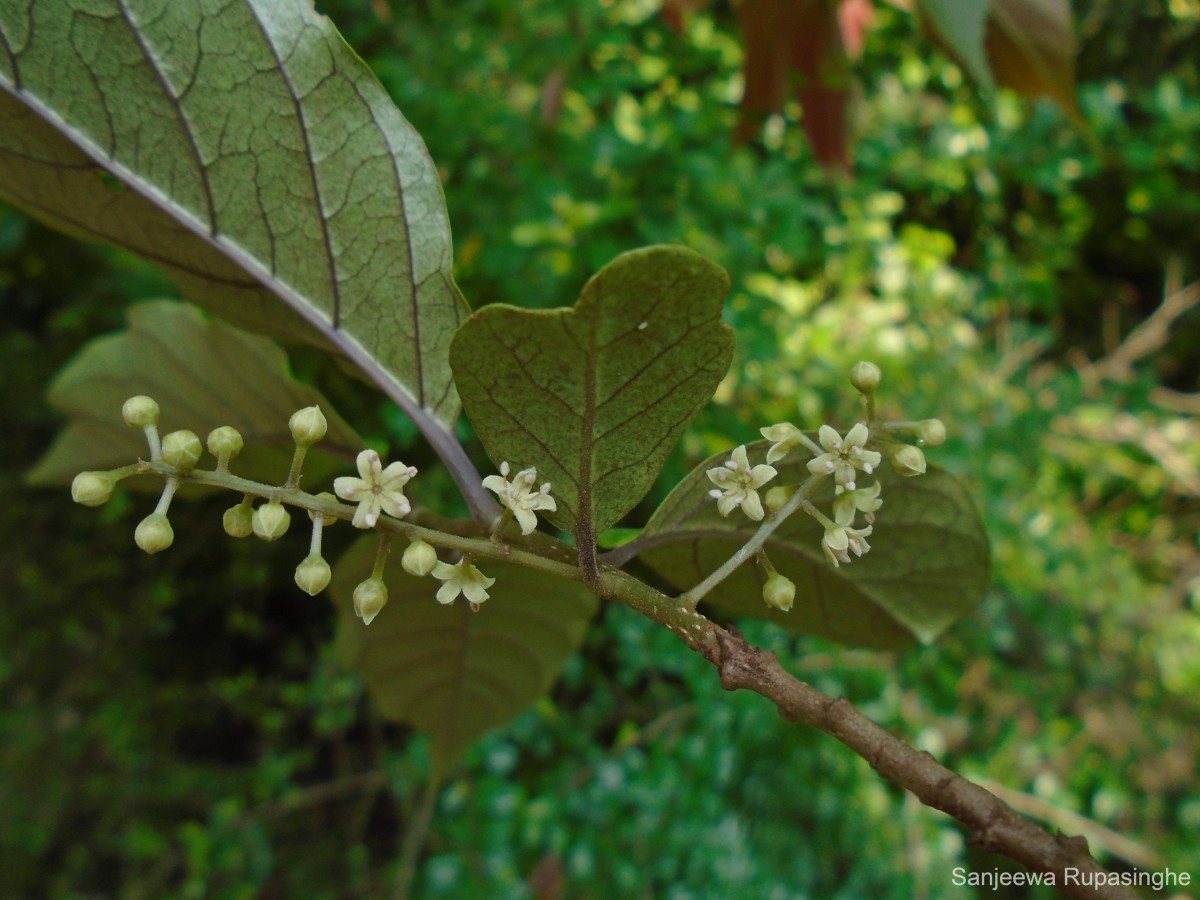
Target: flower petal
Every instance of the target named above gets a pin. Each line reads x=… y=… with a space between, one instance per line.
x=856 y=436
x=752 y=506
x=496 y=483
x=727 y=503
x=526 y=519
x=760 y=475
x=350 y=488
x=829 y=439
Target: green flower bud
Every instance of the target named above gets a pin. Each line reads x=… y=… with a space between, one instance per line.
x=777 y=497
x=308 y=426
x=154 y=533
x=865 y=376
x=908 y=460
x=140 y=411
x=225 y=441
x=312 y=575
x=369 y=598
x=270 y=521
x=238 y=521
x=92 y=488
x=181 y=449
x=419 y=559
x=779 y=592
x=932 y=432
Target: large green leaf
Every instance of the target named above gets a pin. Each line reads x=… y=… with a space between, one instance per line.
x=596 y=396
x=927 y=567
x=203 y=373
x=450 y=673
x=960 y=25
x=245 y=149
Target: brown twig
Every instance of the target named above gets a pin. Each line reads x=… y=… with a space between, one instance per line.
x=1145 y=339
x=995 y=825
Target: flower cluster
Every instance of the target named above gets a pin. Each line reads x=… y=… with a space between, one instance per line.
x=737 y=484
x=847 y=458
x=519 y=495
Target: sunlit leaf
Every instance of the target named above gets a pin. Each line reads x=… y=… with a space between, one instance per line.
x=448 y=672
x=204 y=374
x=596 y=396
x=928 y=565
x=246 y=150
x=960 y=26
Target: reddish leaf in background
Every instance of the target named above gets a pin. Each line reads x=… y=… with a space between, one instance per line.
x=1031 y=49
x=854 y=18
x=800 y=46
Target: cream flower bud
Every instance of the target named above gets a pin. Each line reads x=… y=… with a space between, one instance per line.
x=369 y=598
x=419 y=559
x=865 y=376
x=308 y=426
x=181 y=449
x=154 y=533
x=932 y=432
x=92 y=488
x=779 y=592
x=225 y=442
x=908 y=461
x=270 y=521
x=238 y=521
x=777 y=497
x=140 y=411
x=313 y=574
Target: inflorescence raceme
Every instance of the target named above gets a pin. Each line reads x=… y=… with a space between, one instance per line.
x=378 y=493
x=846 y=458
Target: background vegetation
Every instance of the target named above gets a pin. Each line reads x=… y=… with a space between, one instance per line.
x=175 y=726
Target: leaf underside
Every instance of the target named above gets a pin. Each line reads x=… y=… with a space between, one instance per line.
x=204 y=374
x=596 y=396
x=928 y=565
x=448 y=672
x=244 y=149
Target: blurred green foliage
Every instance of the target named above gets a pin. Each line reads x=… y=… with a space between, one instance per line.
x=174 y=726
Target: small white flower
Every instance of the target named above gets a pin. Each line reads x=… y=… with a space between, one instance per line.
x=464 y=578
x=378 y=489
x=737 y=484
x=843 y=455
x=521 y=496
x=841 y=539
x=787 y=437
x=865 y=499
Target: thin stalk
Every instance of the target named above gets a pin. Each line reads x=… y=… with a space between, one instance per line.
x=752 y=546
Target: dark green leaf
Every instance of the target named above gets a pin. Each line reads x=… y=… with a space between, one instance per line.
x=927 y=567
x=450 y=673
x=596 y=396
x=204 y=374
x=245 y=149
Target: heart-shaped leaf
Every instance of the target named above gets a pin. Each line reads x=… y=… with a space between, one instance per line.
x=246 y=150
x=204 y=374
x=448 y=672
x=596 y=396
x=928 y=564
